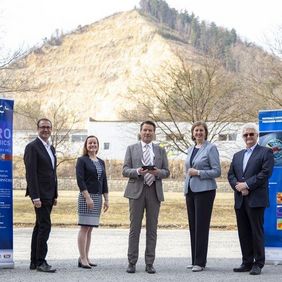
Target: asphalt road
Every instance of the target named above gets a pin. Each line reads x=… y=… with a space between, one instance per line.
x=109 y=248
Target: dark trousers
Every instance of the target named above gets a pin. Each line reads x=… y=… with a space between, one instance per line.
x=251 y=234
x=147 y=201
x=41 y=232
x=199 y=209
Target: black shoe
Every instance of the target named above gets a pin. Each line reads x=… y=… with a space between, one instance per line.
x=32 y=266
x=256 y=270
x=92 y=264
x=45 y=267
x=150 y=269
x=131 y=268
x=79 y=264
x=242 y=268
x=48 y=264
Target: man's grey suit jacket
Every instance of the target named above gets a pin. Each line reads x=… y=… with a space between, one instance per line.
x=133 y=160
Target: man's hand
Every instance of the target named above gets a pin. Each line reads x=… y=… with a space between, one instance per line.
x=245 y=192
x=154 y=171
x=142 y=171
x=241 y=186
x=55 y=202
x=37 y=203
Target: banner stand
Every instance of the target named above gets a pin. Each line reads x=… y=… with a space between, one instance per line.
x=6 y=184
x=270 y=128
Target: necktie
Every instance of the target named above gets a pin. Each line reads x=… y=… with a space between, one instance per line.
x=149 y=178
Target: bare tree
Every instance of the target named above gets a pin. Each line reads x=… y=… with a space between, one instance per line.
x=265 y=82
x=183 y=93
x=8 y=83
x=63 y=120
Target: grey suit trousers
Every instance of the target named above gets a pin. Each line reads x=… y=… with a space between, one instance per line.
x=147 y=201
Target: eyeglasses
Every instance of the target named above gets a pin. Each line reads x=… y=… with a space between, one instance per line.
x=45 y=127
x=248 y=134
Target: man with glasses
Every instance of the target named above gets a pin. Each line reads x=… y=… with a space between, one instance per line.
x=248 y=176
x=40 y=164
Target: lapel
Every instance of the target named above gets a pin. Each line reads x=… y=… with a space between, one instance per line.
x=54 y=154
x=139 y=152
x=93 y=165
x=255 y=151
x=44 y=152
x=156 y=154
x=241 y=160
x=189 y=154
x=200 y=152
x=155 y=149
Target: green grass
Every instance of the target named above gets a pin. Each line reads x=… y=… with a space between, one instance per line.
x=172 y=214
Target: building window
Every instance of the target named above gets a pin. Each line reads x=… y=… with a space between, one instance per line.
x=232 y=137
x=222 y=137
x=78 y=138
x=227 y=137
x=61 y=137
x=106 y=146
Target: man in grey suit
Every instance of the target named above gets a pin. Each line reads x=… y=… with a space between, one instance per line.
x=145 y=165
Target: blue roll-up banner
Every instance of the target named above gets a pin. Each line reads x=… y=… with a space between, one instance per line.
x=6 y=184
x=270 y=127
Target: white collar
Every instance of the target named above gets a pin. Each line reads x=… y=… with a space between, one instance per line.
x=251 y=148
x=145 y=144
x=46 y=144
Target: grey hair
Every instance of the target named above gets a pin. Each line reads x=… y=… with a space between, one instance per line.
x=250 y=126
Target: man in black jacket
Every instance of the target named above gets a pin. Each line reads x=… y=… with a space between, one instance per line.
x=40 y=163
x=248 y=176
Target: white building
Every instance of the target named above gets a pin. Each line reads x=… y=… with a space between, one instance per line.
x=115 y=136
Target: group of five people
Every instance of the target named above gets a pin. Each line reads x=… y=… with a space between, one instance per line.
x=145 y=165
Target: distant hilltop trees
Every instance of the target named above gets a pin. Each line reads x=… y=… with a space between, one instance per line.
x=201 y=35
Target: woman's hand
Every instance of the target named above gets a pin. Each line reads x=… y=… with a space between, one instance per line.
x=192 y=172
x=106 y=205
x=89 y=203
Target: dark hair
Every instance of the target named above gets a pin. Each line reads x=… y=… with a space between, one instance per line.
x=85 y=152
x=199 y=123
x=148 y=122
x=43 y=119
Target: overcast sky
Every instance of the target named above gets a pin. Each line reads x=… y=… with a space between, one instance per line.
x=24 y=23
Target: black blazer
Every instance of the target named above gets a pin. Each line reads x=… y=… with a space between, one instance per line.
x=256 y=175
x=87 y=176
x=41 y=177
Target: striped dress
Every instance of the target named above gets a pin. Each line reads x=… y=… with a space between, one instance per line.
x=90 y=217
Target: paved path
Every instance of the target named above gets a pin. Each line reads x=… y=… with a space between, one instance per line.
x=109 y=247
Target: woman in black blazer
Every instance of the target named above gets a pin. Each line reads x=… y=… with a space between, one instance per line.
x=92 y=182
